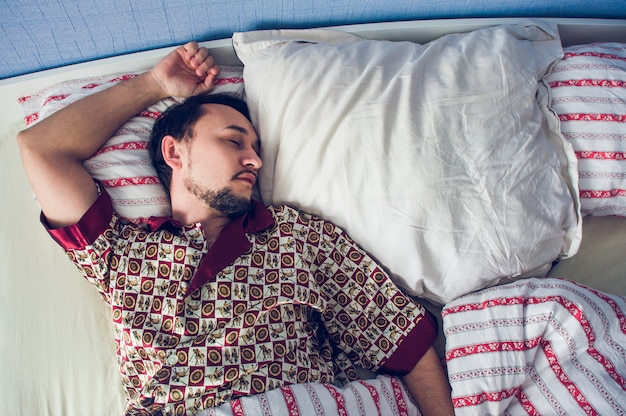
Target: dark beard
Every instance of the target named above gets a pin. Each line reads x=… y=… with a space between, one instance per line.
x=223 y=201
x=228 y=203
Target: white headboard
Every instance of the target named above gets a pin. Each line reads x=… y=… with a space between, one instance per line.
x=573 y=31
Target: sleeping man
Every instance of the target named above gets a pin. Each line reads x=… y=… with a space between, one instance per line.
x=226 y=298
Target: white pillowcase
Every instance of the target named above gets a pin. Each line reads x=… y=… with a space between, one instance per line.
x=436 y=158
x=123 y=165
x=588 y=93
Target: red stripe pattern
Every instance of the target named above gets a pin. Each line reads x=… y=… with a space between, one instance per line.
x=609 y=83
x=237 y=408
x=537 y=345
x=398 y=394
x=122 y=146
x=142 y=180
x=611 y=193
x=590 y=154
x=617 y=118
x=588 y=94
x=383 y=396
x=340 y=401
x=576 y=52
x=290 y=401
x=150 y=114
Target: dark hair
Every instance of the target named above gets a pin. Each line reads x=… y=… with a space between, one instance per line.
x=178 y=121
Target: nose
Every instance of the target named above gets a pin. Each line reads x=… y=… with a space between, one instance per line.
x=252 y=159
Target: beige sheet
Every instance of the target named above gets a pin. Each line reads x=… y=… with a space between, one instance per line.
x=601 y=259
x=57 y=349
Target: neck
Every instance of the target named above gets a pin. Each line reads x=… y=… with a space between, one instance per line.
x=211 y=225
x=189 y=210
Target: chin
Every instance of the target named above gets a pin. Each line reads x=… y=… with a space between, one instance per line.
x=230 y=204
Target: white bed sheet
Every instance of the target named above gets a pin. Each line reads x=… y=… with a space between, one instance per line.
x=57 y=347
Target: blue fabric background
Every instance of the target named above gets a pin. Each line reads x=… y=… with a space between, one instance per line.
x=43 y=34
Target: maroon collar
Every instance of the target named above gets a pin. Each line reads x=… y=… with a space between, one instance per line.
x=231 y=243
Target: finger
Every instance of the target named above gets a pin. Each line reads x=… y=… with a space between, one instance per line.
x=207 y=66
x=201 y=55
x=211 y=73
x=207 y=80
x=210 y=79
x=190 y=49
x=215 y=70
x=207 y=83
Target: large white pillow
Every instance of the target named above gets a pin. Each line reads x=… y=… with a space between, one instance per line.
x=436 y=158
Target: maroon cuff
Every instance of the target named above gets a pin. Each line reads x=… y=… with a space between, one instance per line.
x=92 y=224
x=412 y=348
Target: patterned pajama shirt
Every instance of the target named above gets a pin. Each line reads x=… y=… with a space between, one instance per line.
x=281 y=297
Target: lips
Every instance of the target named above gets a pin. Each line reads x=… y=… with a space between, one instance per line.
x=247 y=176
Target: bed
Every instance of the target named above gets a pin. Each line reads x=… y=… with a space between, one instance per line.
x=57 y=349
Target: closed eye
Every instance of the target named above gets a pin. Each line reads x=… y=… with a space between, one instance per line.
x=256 y=145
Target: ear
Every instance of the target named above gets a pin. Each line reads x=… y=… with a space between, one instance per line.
x=171 y=150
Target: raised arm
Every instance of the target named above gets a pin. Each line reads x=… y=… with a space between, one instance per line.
x=54 y=149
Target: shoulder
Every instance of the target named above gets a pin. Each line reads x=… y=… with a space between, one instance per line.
x=297 y=218
x=283 y=213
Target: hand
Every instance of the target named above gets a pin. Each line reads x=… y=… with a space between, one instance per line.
x=188 y=70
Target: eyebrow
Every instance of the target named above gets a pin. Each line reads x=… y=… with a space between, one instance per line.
x=237 y=128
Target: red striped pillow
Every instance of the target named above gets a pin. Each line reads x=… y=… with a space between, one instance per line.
x=588 y=93
x=122 y=164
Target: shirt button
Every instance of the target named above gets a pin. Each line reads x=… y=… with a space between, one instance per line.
x=172 y=359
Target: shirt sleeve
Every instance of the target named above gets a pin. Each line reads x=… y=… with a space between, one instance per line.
x=93 y=223
x=368 y=316
x=89 y=243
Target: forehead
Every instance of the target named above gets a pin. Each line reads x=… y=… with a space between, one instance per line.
x=220 y=119
x=223 y=114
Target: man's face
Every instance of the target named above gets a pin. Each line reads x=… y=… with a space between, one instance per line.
x=223 y=160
